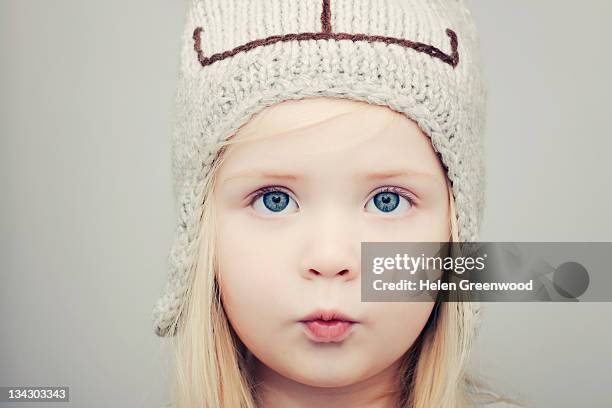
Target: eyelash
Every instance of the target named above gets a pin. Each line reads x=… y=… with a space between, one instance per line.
x=389 y=189
x=265 y=190
x=400 y=192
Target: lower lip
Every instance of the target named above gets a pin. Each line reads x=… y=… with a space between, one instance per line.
x=326 y=331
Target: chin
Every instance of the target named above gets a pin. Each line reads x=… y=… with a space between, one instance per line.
x=326 y=376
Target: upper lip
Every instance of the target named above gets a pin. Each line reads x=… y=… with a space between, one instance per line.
x=321 y=314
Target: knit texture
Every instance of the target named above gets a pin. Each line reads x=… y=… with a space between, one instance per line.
x=417 y=57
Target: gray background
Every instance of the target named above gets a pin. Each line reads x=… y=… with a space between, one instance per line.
x=87 y=213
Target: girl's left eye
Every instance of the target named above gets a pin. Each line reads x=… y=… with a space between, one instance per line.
x=389 y=200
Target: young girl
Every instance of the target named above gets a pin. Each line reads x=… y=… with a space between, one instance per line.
x=305 y=128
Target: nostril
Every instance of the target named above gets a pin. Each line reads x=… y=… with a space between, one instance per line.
x=341 y=273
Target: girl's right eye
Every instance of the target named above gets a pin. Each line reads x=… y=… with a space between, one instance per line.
x=272 y=199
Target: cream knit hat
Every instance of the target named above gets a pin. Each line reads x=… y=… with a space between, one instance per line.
x=418 y=57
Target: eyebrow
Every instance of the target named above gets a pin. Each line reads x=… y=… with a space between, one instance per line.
x=394 y=174
x=382 y=175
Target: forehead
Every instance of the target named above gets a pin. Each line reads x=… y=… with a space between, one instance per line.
x=331 y=132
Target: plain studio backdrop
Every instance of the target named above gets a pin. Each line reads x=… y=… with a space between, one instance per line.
x=87 y=214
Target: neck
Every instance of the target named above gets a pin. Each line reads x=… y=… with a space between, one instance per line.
x=276 y=391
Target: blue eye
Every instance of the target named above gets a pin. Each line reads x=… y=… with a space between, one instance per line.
x=272 y=199
x=389 y=200
x=276 y=201
x=386 y=202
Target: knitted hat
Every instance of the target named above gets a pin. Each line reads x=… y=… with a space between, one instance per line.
x=417 y=57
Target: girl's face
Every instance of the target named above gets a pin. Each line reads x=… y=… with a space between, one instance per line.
x=292 y=211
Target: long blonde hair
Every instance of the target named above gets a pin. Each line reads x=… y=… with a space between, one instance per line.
x=211 y=362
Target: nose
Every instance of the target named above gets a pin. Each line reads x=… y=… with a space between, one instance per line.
x=331 y=250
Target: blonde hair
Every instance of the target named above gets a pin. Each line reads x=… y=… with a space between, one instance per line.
x=211 y=363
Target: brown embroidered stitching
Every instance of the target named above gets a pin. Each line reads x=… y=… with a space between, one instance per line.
x=326 y=17
x=326 y=34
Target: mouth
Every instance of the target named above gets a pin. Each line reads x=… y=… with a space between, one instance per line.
x=324 y=326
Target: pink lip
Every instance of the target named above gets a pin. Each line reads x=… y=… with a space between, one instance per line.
x=326 y=326
x=326 y=331
x=328 y=315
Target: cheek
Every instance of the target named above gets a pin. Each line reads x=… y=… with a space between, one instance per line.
x=431 y=225
x=426 y=226
x=251 y=260
x=254 y=276
x=398 y=324
x=435 y=228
